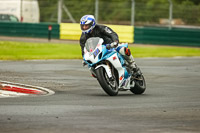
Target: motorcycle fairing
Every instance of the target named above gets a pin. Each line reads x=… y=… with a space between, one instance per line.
x=100 y=53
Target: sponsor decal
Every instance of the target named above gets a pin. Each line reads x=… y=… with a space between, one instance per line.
x=96 y=52
x=124 y=82
x=108 y=30
x=121 y=77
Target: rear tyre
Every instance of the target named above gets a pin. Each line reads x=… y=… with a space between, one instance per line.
x=109 y=85
x=140 y=85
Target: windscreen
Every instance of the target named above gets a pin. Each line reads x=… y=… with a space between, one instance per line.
x=91 y=43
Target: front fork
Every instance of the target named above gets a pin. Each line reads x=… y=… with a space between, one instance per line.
x=113 y=78
x=92 y=70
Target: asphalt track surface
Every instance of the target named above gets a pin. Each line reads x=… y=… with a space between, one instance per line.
x=171 y=103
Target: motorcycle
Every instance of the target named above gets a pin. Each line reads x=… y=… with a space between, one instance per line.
x=110 y=68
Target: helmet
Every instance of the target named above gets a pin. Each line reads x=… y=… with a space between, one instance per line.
x=87 y=20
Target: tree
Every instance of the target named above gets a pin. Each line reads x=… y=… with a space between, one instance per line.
x=119 y=11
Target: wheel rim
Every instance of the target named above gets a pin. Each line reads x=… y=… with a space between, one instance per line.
x=141 y=82
x=112 y=84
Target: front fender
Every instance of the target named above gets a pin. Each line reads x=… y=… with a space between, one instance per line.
x=106 y=67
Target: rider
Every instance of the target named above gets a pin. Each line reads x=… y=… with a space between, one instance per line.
x=91 y=29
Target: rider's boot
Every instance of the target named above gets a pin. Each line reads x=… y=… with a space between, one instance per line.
x=129 y=58
x=132 y=65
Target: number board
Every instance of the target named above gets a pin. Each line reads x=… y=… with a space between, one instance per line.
x=96 y=52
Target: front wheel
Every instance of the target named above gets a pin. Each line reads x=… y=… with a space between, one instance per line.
x=140 y=85
x=109 y=85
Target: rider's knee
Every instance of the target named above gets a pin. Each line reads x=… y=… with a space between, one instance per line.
x=125 y=51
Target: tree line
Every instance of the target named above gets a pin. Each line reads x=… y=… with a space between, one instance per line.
x=119 y=11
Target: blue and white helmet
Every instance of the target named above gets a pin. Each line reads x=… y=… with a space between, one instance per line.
x=87 y=20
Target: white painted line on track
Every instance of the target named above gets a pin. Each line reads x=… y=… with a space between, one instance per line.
x=4 y=94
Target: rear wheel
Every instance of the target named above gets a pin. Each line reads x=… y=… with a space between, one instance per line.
x=140 y=85
x=109 y=85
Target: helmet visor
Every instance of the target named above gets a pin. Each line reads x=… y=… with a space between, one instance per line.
x=85 y=26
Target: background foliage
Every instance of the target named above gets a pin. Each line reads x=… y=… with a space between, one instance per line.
x=119 y=11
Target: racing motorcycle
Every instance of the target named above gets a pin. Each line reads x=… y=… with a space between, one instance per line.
x=110 y=68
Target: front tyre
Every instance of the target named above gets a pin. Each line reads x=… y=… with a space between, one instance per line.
x=140 y=85
x=109 y=85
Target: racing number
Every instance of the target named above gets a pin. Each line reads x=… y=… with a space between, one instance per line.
x=96 y=52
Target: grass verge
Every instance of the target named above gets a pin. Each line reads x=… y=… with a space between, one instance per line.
x=27 y=51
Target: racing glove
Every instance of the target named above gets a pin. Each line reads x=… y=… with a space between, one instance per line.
x=84 y=63
x=112 y=45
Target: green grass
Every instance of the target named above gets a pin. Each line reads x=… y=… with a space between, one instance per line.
x=164 y=51
x=24 y=51
x=28 y=51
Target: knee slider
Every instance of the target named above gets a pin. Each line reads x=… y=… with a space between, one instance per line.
x=127 y=51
